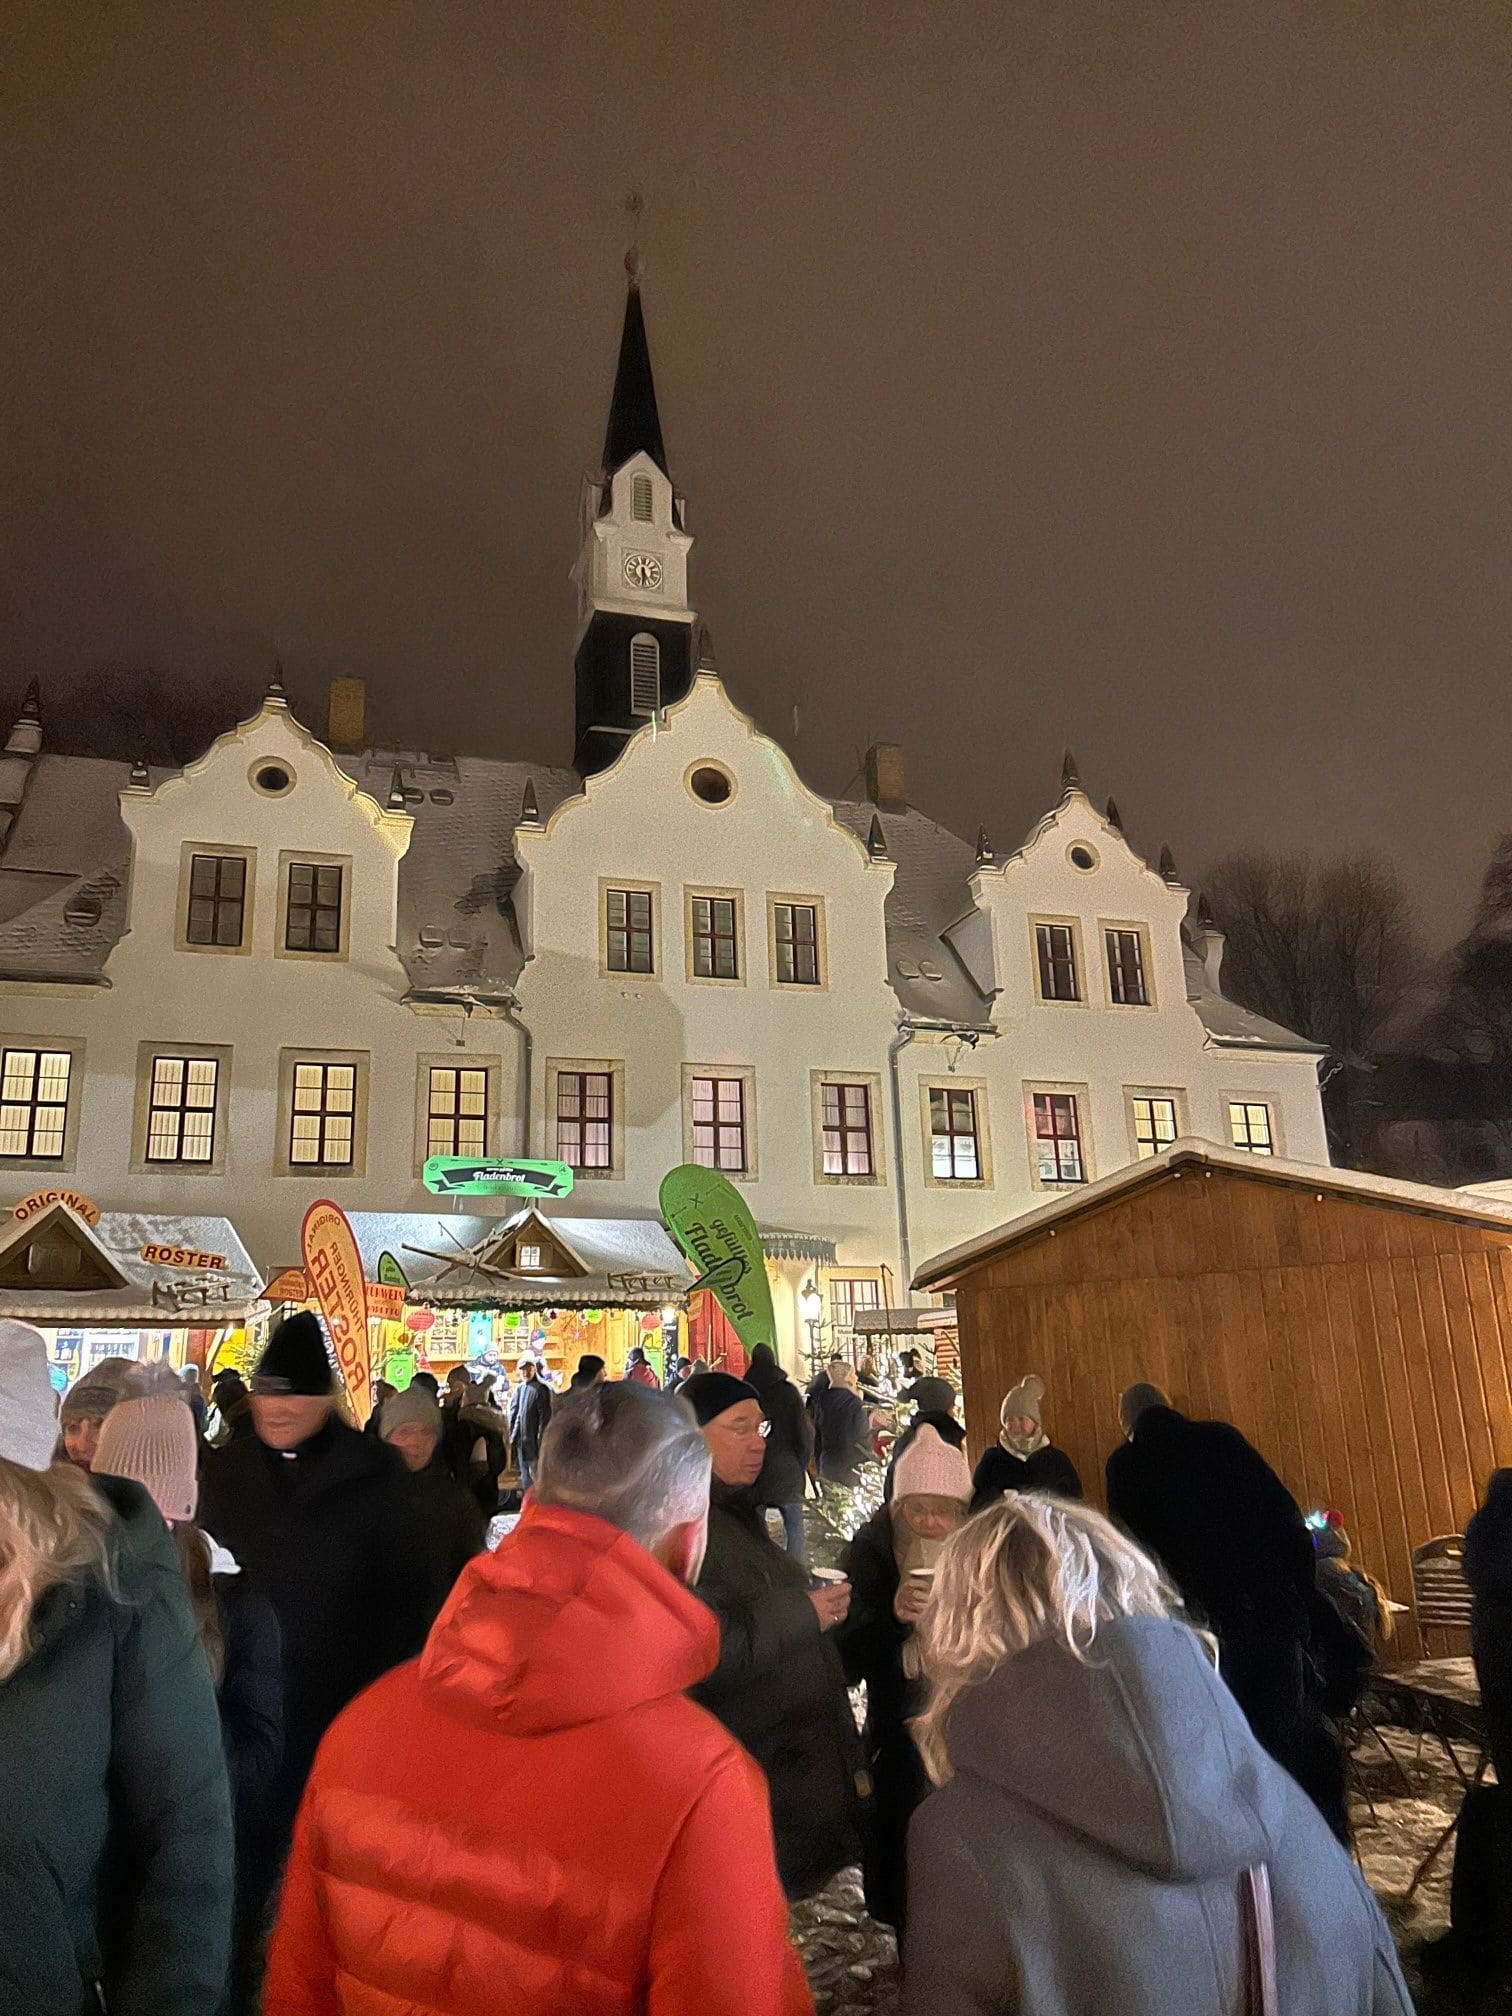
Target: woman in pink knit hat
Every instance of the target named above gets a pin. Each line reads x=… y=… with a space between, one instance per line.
x=890 y=1563
x=151 y=1438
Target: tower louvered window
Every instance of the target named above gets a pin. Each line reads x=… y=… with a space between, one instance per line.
x=645 y=675
x=640 y=499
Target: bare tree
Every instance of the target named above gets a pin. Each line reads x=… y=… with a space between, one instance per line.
x=1330 y=949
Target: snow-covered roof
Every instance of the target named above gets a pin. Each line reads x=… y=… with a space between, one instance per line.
x=630 y=1263
x=154 y=1294
x=944 y=1270
x=928 y=894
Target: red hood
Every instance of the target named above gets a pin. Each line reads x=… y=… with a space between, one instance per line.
x=569 y=1621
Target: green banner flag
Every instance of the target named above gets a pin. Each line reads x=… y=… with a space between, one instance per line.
x=473 y=1176
x=390 y=1273
x=711 y=1222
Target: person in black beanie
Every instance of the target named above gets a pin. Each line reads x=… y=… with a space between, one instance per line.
x=779 y=1685
x=318 y=1516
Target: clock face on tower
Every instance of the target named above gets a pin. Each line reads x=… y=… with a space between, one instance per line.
x=643 y=570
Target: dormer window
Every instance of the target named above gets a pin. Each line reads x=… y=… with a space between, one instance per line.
x=528 y=1258
x=645 y=675
x=640 y=499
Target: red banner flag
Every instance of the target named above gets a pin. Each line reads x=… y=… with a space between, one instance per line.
x=334 y=1267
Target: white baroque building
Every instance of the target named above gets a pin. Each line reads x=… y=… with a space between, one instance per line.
x=301 y=965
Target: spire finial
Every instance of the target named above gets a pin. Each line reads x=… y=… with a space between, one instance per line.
x=31 y=702
x=635 y=263
x=984 y=854
x=530 y=810
x=140 y=778
x=1070 y=777
x=1167 y=865
x=1205 y=915
x=396 y=791
x=705 y=649
x=276 y=687
x=634 y=423
x=876 y=840
x=1114 y=816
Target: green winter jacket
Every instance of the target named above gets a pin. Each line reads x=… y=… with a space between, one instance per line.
x=115 y=1819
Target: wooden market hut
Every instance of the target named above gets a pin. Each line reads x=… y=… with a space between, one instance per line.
x=1357 y=1330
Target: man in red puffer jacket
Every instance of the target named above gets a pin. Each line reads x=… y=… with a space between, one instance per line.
x=532 y=1816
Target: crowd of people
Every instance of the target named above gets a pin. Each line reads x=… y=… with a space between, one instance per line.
x=258 y=1670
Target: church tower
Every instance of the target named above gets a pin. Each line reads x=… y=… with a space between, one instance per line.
x=636 y=651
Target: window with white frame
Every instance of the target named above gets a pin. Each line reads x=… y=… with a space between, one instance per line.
x=217 y=911
x=323 y=1116
x=312 y=919
x=1055 y=949
x=528 y=1258
x=34 y=1103
x=1156 y=1122
x=716 y=938
x=1251 y=1127
x=795 y=936
x=182 y=1094
x=1127 y=987
x=1057 y=1138
x=719 y=1124
x=629 y=937
x=456 y=1110
x=585 y=1119
x=645 y=675
x=955 y=1139
x=846 y=1297
x=846 y=1122
x=640 y=499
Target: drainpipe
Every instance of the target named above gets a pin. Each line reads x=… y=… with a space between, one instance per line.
x=900 y=1042
x=510 y=1004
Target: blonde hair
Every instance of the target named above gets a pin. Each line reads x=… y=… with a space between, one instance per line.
x=53 y=1528
x=1027 y=1569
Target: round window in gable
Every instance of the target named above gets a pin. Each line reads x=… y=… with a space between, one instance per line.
x=272 y=779
x=710 y=784
x=1082 y=858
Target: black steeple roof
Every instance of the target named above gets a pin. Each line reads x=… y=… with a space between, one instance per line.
x=634 y=423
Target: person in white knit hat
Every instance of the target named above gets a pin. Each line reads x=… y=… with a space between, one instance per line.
x=1024 y=1458
x=890 y=1563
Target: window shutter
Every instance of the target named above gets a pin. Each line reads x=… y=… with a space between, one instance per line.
x=645 y=675
x=640 y=499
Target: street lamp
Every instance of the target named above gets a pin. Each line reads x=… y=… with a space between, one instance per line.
x=811 y=1309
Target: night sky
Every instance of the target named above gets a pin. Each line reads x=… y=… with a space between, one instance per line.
x=1132 y=376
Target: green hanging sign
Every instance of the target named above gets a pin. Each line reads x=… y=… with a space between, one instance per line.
x=712 y=1224
x=473 y=1176
x=390 y=1273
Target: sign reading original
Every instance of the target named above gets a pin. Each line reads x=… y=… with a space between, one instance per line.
x=81 y=1206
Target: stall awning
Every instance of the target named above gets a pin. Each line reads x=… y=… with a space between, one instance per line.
x=471 y=1262
x=798 y=1246
x=130 y=1271
x=901 y=1322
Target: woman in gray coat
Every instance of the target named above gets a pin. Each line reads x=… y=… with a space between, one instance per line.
x=1104 y=1820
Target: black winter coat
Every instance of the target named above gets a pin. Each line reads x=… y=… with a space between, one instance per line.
x=329 y=1536
x=529 y=1415
x=1488 y=1570
x=451 y=1527
x=841 y=1443
x=1048 y=1469
x=791 y=1442
x=870 y=1643
x=780 y=1689
x=115 y=1817
x=250 y=1698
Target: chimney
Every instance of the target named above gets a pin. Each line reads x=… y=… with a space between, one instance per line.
x=884 y=777
x=346 y=710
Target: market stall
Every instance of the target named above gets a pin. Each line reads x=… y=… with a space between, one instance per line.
x=127 y=1285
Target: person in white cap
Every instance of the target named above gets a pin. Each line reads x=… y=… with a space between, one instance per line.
x=890 y=1564
x=115 y=1818
x=1024 y=1458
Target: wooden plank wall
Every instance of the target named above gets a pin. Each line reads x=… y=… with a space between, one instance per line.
x=1363 y=1348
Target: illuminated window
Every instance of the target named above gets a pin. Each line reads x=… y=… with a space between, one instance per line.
x=217 y=900
x=181 y=1109
x=846 y=1297
x=954 y=1148
x=1057 y=1138
x=528 y=1258
x=323 y=1119
x=34 y=1103
x=1250 y=1126
x=716 y=953
x=640 y=498
x=1126 y=973
x=1055 y=945
x=313 y=921
x=845 y=1114
x=585 y=1119
x=457 y=1119
x=645 y=675
x=719 y=1124
x=1155 y=1125
x=628 y=931
x=796 y=934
